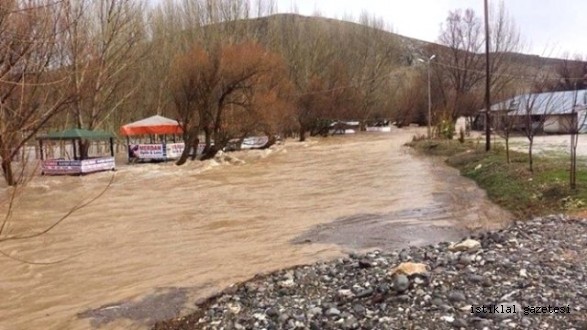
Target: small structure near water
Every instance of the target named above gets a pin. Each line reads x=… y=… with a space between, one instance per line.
x=379 y=126
x=153 y=139
x=561 y=112
x=80 y=164
x=344 y=127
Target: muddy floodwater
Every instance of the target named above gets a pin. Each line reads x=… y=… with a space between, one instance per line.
x=162 y=237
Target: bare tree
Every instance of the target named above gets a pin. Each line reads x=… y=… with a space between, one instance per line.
x=460 y=65
x=571 y=73
x=378 y=53
x=574 y=134
x=31 y=80
x=210 y=84
x=575 y=101
x=410 y=104
x=101 y=45
x=507 y=126
x=535 y=109
x=306 y=49
x=503 y=122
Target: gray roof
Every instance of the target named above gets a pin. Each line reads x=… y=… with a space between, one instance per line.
x=544 y=103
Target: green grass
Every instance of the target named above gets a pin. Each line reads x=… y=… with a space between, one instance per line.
x=513 y=186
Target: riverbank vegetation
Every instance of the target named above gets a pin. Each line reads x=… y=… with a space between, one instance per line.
x=512 y=185
x=228 y=69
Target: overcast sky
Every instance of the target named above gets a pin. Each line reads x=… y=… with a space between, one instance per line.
x=549 y=27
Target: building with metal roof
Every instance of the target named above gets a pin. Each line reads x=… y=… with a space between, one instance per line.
x=550 y=112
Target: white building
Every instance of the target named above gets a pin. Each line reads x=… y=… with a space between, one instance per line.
x=551 y=112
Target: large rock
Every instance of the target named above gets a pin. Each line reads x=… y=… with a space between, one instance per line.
x=468 y=245
x=400 y=282
x=409 y=269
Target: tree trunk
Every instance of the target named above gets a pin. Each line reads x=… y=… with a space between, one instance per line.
x=210 y=153
x=530 y=159
x=271 y=140
x=507 y=148
x=7 y=171
x=219 y=144
x=362 y=126
x=207 y=140
x=184 y=155
x=191 y=137
x=573 y=169
x=302 y=134
x=194 y=146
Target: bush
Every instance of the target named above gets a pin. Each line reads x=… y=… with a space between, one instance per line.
x=462 y=135
x=446 y=129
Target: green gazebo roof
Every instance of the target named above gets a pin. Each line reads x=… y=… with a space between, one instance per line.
x=76 y=133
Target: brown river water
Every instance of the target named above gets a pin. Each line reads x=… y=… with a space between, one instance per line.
x=164 y=236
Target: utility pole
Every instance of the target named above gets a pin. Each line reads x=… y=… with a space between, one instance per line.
x=487 y=84
x=429 y=95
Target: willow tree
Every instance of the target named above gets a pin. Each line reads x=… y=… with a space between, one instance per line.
x=227 y=77
x=32 y=79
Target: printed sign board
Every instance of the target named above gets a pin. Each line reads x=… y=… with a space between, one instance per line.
x=174 y=150
x=57 y=166
x=97 y=164
x=147 y=151
x=63 y=167
x=159 y=151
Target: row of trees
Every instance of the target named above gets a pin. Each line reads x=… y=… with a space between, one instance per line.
x=225 y=69
x=230 y=68
x=458 y=69
x=281 y=74
x=458 y=81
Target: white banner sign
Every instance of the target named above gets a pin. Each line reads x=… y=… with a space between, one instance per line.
x=159 y=151
x=174 y=150
x=147 y=151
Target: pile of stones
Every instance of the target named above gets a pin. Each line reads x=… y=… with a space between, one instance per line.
x=531 y=275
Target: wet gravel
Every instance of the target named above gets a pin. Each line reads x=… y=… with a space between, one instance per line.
x=536 y=265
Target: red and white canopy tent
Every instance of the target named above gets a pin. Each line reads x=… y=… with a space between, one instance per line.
x=153 y=126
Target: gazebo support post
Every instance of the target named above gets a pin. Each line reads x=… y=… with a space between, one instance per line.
x=41 y=149
x=74 y=149
x=128 y=147
x=112 y=147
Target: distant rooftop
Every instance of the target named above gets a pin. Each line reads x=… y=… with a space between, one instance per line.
x=544 y=103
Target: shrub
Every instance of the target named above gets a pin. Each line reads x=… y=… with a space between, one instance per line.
x=462 y=135
x=447 y=129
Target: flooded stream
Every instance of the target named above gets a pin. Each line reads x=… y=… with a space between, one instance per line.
x=162 y=237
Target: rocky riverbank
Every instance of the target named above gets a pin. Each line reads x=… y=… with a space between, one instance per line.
x=531 y=275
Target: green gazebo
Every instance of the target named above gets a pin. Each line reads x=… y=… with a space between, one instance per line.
x=79 y=164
